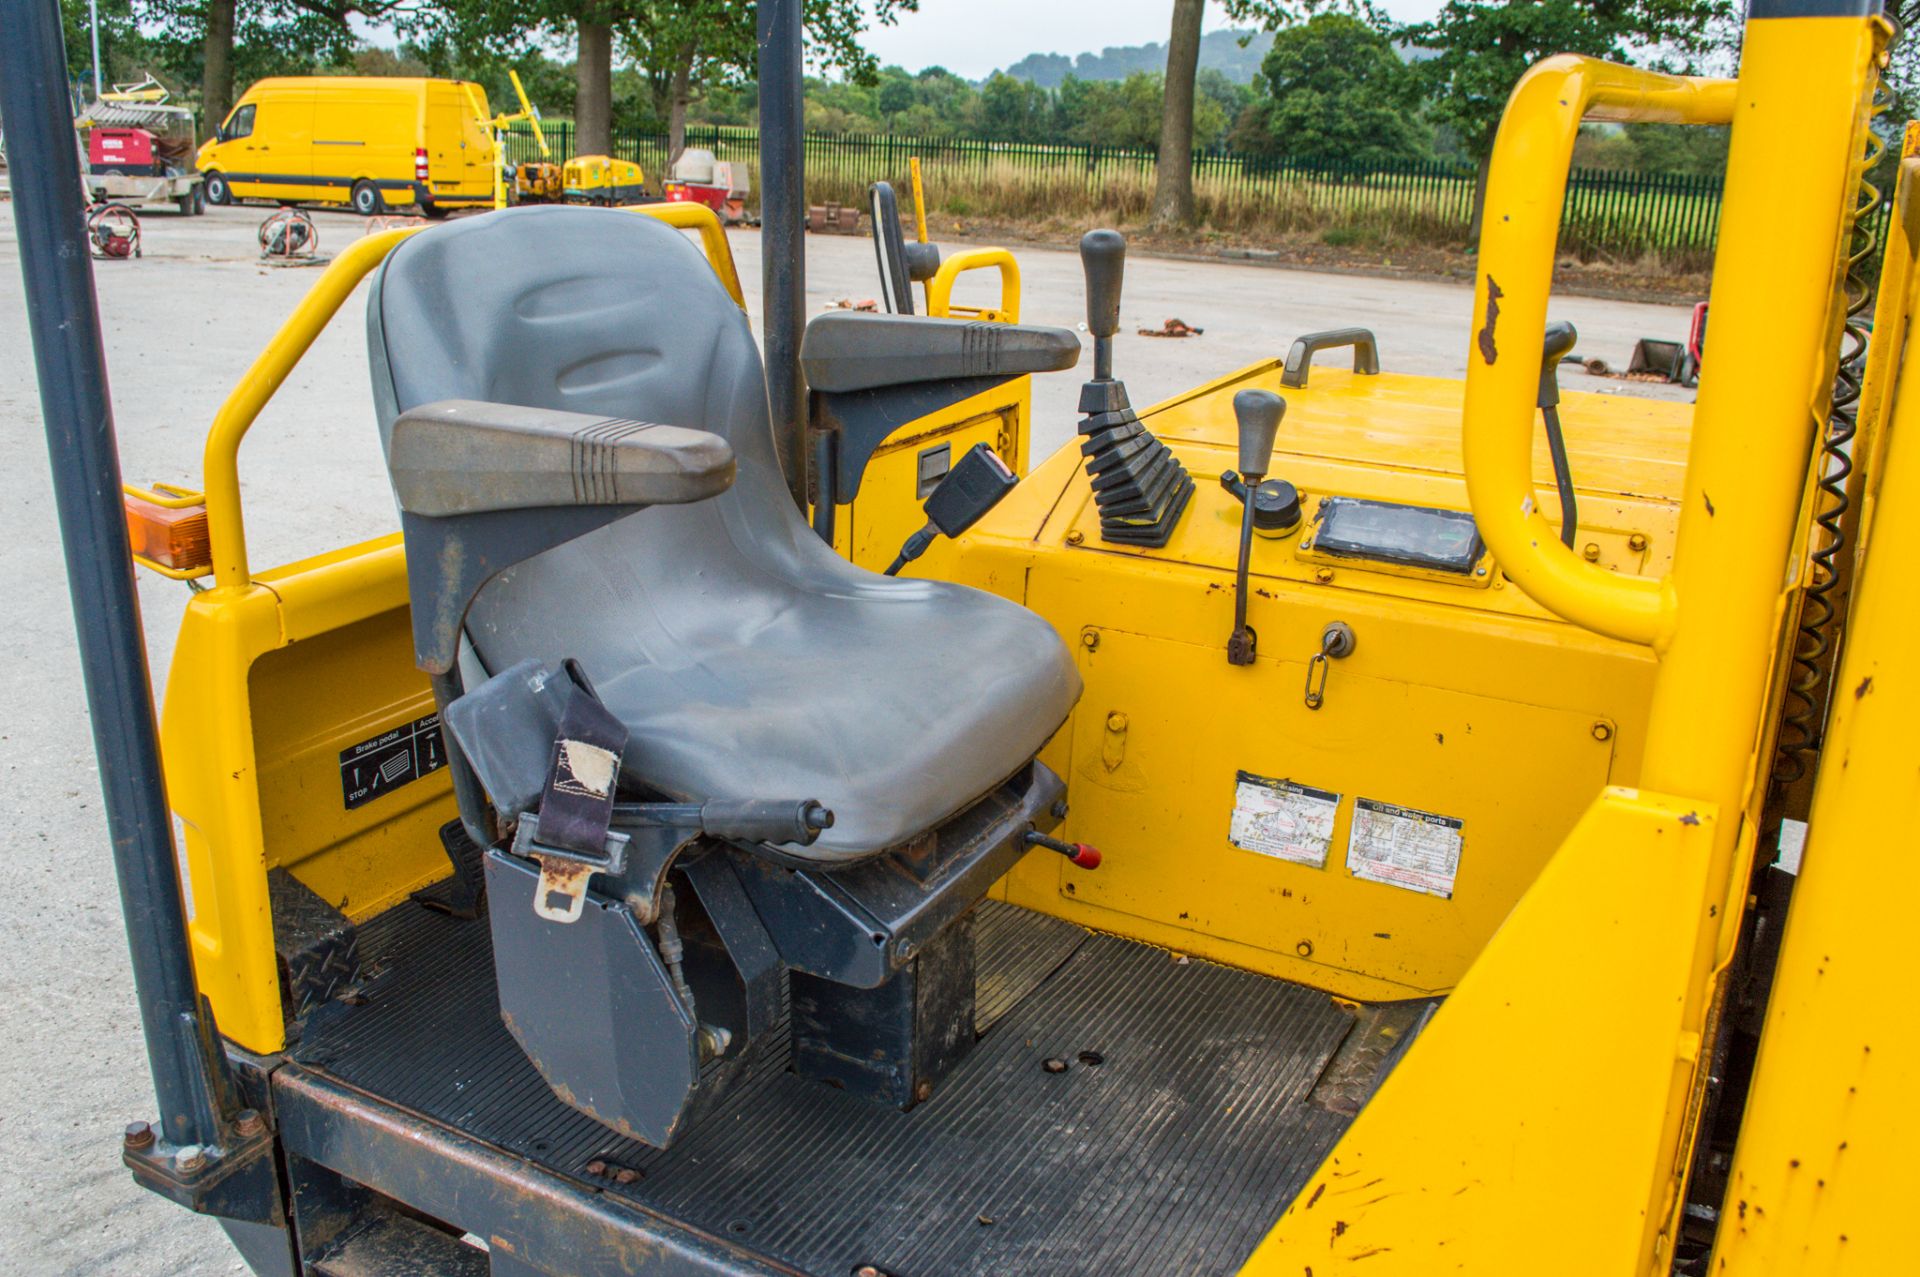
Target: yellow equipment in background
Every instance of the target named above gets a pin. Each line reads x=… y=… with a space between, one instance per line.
x=497 y=126
x=600 y=179
x=538 y=182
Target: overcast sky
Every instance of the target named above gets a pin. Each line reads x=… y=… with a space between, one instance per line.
x=974 y=37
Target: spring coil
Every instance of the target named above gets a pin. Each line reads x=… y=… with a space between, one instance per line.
x=1802 y=722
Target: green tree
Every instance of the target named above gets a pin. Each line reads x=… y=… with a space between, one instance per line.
x=1334 y=90
x=1484 y=46
x=1173 y=171
x=218 y=40
x=675 y=45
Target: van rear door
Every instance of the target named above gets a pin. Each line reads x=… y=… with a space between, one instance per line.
x=447 y=110
x=477 y=158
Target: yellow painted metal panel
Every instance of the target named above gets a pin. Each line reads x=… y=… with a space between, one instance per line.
x=312 y=700
x=1822 y=1171
x=268 y=683
x=1165 y=731
x=1523 y=1131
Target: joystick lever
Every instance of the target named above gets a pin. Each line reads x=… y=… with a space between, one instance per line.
x=1258 y=413
x=1139 y=486
x=1103 y=254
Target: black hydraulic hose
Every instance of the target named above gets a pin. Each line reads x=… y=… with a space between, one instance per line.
x=189 y=1073
x=1562 y=475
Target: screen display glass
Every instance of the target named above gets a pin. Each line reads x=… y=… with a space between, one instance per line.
x=1409 y=535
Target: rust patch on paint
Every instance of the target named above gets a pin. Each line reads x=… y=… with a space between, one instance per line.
x=1488 y=350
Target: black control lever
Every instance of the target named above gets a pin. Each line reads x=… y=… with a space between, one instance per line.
x=1258 y=413
x=1561 y=337
x=1104 y=256
x=902 y=262
x=1276 y=503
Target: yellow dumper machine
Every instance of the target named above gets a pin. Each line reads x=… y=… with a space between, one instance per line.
x=1305 y=826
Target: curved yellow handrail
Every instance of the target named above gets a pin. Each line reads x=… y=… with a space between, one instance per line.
x=220 y=466
x=940 y=287
x=1520 y=227
x=713 y=238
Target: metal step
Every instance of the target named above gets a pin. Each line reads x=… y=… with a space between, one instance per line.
x=389 y=1244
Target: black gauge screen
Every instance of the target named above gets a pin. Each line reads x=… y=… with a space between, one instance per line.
x=1409 y=535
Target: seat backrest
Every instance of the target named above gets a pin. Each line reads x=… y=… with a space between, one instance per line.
x=599 y=311
x=576 y=309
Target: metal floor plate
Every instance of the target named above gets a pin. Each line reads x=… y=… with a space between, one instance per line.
x=1174 y=1153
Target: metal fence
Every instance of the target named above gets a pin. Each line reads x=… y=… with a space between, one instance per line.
x=1609 y=213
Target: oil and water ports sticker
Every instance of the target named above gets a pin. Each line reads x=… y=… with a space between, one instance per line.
x=1281 y=819
x=390 y=760
x=1403 y=847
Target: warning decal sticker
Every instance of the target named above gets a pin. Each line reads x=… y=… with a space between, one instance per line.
x=1403 y=847
x=1281 y=819
x=390 y=760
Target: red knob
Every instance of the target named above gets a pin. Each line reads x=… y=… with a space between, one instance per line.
x=1086 y=857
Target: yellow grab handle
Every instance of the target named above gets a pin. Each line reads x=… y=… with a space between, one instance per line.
x=220 y=465
x=940 y=287
x=713 y=237
x=1520 y=228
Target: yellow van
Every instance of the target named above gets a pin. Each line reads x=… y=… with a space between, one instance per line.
x=369 y=142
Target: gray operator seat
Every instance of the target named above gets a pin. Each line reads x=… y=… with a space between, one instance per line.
x=745 y=657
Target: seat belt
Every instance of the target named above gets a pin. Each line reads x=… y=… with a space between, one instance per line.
x=576 y=807
x=572 y=835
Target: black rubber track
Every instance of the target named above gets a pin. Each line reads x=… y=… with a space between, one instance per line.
x=1173 y=1154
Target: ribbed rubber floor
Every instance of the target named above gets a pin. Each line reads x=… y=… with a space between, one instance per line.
x=1173 y=1154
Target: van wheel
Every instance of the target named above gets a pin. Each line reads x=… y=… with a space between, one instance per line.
x=430 y=209
x=367 y=201
x=218 y=192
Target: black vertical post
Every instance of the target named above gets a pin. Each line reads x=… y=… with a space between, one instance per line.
x=783 y=245
x=188 y=1071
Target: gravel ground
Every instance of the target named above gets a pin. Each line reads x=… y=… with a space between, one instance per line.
x=181 y=325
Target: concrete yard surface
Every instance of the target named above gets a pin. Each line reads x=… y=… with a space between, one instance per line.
x=181 y=326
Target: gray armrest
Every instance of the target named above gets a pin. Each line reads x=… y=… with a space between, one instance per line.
x=463 y=456
x=846 y=350
x=484 y=486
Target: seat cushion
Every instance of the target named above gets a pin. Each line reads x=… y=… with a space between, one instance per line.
x=748 y=659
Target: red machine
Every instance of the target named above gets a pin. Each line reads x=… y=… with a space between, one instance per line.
x=115 y=150
x=698 y=178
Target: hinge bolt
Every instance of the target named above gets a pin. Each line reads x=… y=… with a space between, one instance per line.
x=139 y=1135
x=189 y=1158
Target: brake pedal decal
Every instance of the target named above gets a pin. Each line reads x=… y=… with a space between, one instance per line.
x=390 y=760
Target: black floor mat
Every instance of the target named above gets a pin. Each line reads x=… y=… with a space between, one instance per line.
x=1171 y=1143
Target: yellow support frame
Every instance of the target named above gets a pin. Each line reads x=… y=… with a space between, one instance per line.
x=1460 y=1163
x=1826 y=1149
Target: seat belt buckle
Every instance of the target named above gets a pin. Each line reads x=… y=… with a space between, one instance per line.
x=565 y=871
